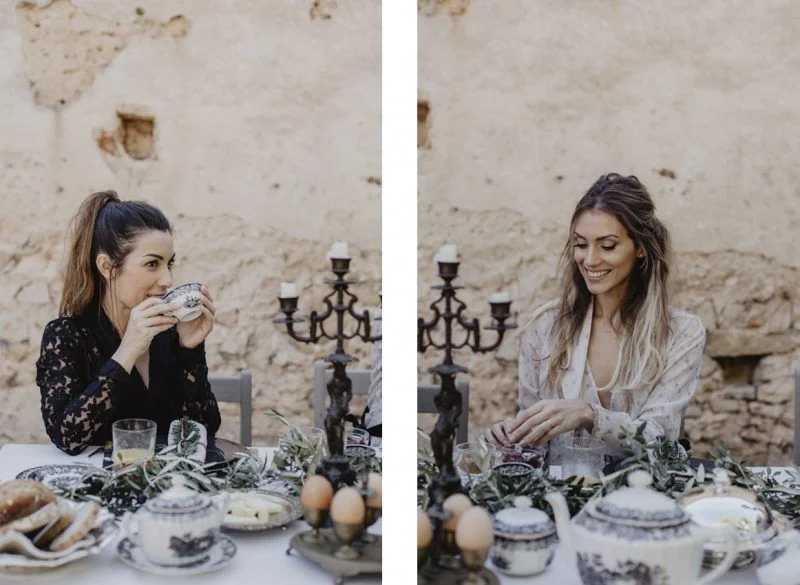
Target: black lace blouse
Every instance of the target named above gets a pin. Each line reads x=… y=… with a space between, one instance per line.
x=84 y=391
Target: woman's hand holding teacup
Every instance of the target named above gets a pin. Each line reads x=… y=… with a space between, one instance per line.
x=146 y=320
x=545 y=420
x=194 y=332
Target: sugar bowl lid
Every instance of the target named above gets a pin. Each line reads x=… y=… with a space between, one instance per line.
x=522 y=521
x=178 y=499
x=639 y=505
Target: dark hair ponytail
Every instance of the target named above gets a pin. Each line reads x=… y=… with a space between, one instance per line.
x=103 y=224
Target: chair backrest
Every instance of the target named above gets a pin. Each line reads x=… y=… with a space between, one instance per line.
x=427 y=392
x=322 y=375
x=237 y=389
x=797 y=417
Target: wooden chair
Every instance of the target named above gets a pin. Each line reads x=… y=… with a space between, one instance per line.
x=322 y=375
x=237 y=389
x=425 y=404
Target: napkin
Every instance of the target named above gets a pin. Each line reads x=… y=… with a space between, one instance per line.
x=183 y=432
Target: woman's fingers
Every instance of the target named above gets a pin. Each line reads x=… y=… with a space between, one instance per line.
x=552 y=433
x=208 y=313
x=498 y=434
x=159 y=308
x=159 y=321
x=528 y=425
x=204 y=290
x=208 y=302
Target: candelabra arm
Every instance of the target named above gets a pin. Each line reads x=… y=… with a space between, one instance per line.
x=321 y=320
x=329 y=307
x=297 y=336
x=501 y=331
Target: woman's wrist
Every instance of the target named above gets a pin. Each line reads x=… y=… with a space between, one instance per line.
x=588 y=417
x=124 y=359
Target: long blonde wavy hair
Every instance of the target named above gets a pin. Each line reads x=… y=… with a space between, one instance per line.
x=643 y=311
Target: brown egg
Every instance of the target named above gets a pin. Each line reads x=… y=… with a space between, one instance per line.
x=457 y=504
x=474 y=531
x=424 y=529
x=347 y=506
x=374 y=483
x=317 y=493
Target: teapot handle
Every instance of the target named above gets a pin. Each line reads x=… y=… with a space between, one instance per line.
x=130 y=526
x=731 y=548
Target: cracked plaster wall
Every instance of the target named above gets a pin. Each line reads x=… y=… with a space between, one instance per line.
x=523 y=106
x=236 y=122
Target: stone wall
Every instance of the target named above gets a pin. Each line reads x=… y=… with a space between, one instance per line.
x=522 y=106
x=254 y=126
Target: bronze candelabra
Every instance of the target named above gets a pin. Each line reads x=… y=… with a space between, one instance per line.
x=449 y=311
x=339 y=304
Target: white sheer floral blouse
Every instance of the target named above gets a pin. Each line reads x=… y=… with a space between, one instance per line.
x=662 y=406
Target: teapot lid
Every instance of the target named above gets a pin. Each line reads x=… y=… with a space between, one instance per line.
x=178 y=499
x=522 y=521
x=640 y=505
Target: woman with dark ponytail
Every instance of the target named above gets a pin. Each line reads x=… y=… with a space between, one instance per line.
x=115 y=351
x=609 y=353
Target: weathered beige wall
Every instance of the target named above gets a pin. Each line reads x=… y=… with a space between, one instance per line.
x=255 y=126
x=524 y=104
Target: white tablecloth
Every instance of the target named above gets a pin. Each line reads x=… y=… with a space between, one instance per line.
x=260 y=559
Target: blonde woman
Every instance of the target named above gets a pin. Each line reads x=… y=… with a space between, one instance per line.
x=115 y=352
x=610 y=353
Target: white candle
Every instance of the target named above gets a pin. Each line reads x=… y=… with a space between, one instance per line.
x=288 y=290
x=447 y=253
x=501 y=297
x=339 y=250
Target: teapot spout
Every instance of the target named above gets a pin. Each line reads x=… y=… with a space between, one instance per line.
x=563 y=527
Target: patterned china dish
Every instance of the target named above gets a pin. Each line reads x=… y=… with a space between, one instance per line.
x=255 y=510
x=63 y=476
x=177 y=528
x=524 y=539
x=190 y=299
x=640 y=536
x=722 y=505
x=778 y=563
x=219 y=555
x=86 y=529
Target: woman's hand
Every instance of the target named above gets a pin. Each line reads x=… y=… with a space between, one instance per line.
x=193 y=333
x=146 y=321
x=498 y=434
x=548 y=418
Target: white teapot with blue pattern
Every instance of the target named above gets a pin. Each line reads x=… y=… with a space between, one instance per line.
x=636 y=535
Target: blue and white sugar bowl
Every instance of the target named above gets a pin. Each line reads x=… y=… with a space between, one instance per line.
x=178 y=527
x=524 y=539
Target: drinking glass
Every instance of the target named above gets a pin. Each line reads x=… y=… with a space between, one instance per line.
x=474 y=460
x=584 y=457
x=310 y=438
x=133 y=440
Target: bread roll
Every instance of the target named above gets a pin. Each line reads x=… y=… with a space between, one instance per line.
x=41 y=517
x=22 y=497
x=49 y=533
x=85 y=517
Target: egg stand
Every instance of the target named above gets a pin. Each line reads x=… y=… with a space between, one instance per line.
x=325 y=551
x=339 y=303
x=449 y=403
